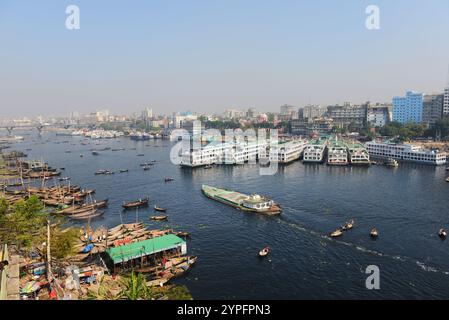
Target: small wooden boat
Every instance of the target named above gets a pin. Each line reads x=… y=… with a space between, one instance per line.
x=86 y=216
x=442 y=233
x=136 y=204
x=140 y=155
x=95 y=153
x=348 y=225
x=447 y=179
x=64 y=179
x=265 y=251
x=374 y=233
x=447 y=168
x=182 y=233
x=159 y=218
x=336 y=233
x=123 y=170
x=81 y=156
x=209 y=166
x=146 y=168
x=160 y=209
x=168 y=179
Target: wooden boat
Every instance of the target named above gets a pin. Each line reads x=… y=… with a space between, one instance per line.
x=159 y=218
x=93 y=214
x=146 y=168
x=348 y=225
x=64 y=179
x=182 y=233
x=140 y=155
x=159 y=209
x=442 y=233
x=447 y=179
x=265 y=251
x=168 y=179
x=136 y=204
x=123 y=170
x=95 y=153
x=374 y=233
x=336 y=233
x=447 y=168
x=209 y=166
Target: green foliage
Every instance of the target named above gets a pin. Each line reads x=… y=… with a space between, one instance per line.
x=4 y=206
x=441 y=127
x=135 y=288
x=404 y=132
x=221 y=125
x=25 y=226
x=178 y=293
x=63 y=242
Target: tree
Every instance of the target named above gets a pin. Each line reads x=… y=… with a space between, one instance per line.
x=135 y=288
x=178 y=293
x=25 y=226
x=63 y=242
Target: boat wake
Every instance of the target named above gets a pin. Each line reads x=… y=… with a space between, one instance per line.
x=405 y=259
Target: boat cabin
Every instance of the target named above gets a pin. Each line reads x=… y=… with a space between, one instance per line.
x=257 y=202
x=144 y=253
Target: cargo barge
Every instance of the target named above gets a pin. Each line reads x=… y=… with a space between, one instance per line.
x=244 y=202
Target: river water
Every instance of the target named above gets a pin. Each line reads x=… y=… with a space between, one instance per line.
x=408 y=205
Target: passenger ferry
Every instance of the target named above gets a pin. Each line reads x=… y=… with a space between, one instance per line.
x=314 y=151
x=223 y=153
x=358 y=155
x=337 y=153
x=244 y=202
x=405 y=152
x=286 y=152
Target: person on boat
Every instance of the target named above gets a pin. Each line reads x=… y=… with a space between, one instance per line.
x=3 y=264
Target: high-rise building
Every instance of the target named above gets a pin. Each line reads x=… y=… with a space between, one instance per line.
x=409 y=108
x=147 y=114
x=348 y=114
x=446 y=102
x=432 y=108
x=313 y=111
x=378 y=115
x=287 y=110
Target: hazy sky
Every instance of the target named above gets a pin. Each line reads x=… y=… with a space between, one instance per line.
x=208 y=55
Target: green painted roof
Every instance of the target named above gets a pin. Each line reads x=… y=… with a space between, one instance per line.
x=143 y=248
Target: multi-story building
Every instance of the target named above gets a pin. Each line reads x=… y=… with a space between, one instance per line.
x=313 y=111
x=446 y=102
x=288 y=112
x=432 y=108
x=348 y=114
x=409 y=108
x=378 y=115
x=147 y=114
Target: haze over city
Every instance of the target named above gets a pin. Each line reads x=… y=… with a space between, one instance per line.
x=207 y=56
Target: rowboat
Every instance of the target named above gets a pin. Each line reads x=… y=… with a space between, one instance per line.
x=136 y=204
x=86 y=215
x=159 y=209
x=374 y=233
x=159 y=218
x=264 y=252
x=182 y=233
x=168 y=179
x=336 y=233
x=348 y=225
x=442 y=233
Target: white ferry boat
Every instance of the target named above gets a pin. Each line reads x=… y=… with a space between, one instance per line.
x=314 y=151
x=337 y=153
x=358 y=155
x=405 y=152
x=223 y=153
x=286 y=152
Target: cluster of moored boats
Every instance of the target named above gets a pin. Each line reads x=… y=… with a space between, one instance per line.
x=144 y=203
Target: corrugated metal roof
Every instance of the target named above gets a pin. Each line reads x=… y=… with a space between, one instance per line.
x=144 y=248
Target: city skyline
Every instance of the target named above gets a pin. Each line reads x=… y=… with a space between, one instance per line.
x=209 y=57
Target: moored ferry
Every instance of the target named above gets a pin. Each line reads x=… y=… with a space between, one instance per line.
x=358 y=155
x=244 y=202
x=337 y=153
x=314 y=151
x=405 y=152
x=288 y=151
